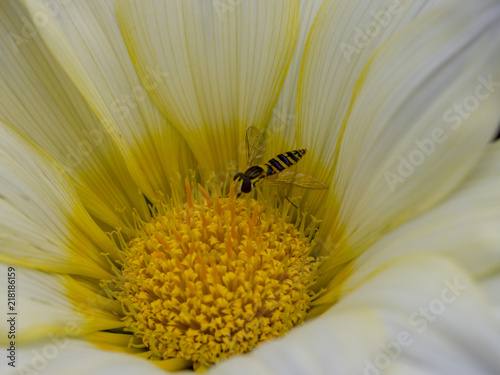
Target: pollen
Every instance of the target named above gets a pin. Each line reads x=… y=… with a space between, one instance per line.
x=214 y=277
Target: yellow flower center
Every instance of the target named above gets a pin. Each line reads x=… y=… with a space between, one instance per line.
x=214 y=277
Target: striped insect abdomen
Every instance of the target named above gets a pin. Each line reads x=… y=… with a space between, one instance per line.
x=283 y=161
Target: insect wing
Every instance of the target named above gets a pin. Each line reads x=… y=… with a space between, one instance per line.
x=298 y=179
x=256 y=144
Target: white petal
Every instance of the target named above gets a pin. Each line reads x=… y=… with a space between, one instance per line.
x=465 y=226
x=280 y=131
x=86 y=40
x=226 y=64
x=54 y=305
x=330 y=344
x=70 y=356
x=450 y=324
x=43 y=224
x=355 y=334
x=41 y=101
x=343 y=37
x=402 y=149
x=491 y=286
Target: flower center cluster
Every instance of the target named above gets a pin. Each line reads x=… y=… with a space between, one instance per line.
x=214 y=277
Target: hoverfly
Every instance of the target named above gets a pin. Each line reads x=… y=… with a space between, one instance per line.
x=273 y=172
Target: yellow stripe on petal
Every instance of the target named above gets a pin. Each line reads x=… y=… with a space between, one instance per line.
x=43 y=223
x=406 y=143
x=105 y=78
x=100 y=312
x=343 y=37
x=225 y=65
x=175 y=364
x=280 y=131
x=56 y=306
x=42 y=102
x=119 y=342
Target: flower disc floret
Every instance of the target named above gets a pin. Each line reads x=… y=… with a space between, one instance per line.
x=214 y=277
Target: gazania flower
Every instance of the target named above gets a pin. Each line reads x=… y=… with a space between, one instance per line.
x=126 y=249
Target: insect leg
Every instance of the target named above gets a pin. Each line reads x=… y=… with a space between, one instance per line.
x=290 y=201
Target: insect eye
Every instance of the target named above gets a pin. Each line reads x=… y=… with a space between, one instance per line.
x=238 y=176
x=246 y=187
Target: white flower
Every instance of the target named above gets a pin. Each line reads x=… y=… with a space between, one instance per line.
x=103 y=105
